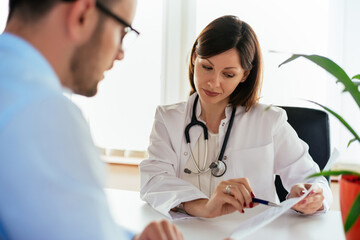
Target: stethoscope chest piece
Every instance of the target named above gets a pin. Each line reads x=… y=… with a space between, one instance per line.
x=218 y=168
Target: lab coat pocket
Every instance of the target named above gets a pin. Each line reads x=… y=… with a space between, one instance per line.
x=256 y=164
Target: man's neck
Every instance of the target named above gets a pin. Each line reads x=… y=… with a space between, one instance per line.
x=48 y=41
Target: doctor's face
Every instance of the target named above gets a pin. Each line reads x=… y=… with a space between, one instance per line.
x=215 y=78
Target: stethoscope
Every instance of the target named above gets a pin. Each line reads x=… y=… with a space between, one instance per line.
x=218 y=168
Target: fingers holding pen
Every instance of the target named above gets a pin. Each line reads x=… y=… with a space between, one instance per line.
x=220 y=203
x=229 y=196
x=229 y=199
x=240 y=190
x=242 y=195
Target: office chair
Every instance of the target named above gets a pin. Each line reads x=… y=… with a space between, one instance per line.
x=312 y=126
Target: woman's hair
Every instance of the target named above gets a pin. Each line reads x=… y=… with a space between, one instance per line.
x=225 y=33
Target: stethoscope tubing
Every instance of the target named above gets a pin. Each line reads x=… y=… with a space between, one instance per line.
x=205 y=161
x=220 y=165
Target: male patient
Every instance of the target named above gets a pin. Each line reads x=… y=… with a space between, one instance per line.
x=51 y=177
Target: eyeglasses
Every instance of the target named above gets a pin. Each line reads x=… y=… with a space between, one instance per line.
x=130 y=33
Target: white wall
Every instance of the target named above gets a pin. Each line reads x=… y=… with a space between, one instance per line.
x=351 y=64
x=4 y=8
x=327 y=27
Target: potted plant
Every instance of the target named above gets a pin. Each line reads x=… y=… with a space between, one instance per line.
x=350 y=180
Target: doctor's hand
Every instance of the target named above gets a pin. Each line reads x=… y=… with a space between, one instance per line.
x=161 y=230
x=229 y=196
x=312 y=203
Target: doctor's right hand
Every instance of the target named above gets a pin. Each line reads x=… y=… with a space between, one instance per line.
x=229 y=196
x=161 y=230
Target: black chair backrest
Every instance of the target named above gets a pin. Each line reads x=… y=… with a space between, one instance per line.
x=312 y=126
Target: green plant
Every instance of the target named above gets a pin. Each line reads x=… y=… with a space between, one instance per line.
x=351 y=85
x=355 y=208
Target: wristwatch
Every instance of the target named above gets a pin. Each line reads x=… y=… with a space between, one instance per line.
x=180 y=208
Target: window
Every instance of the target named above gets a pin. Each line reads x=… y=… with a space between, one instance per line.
x=121 y=114
x=4 y=9
x=155 y=68
x=324 y=27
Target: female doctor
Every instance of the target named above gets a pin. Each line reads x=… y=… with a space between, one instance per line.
x=210 y=155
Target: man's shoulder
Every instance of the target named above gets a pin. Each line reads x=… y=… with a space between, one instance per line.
x=31 y=103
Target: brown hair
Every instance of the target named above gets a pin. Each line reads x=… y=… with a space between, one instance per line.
x=32 y=10
x=221 y=35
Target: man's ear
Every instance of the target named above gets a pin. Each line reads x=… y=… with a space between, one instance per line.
x=81 y=20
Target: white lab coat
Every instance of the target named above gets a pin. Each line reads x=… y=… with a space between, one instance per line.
x=261 y=144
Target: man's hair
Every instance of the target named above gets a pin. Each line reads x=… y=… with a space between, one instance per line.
x=32 y=10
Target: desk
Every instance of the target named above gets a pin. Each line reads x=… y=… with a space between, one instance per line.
x=130 y=211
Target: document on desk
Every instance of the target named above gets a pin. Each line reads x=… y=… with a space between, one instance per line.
x=258 y=221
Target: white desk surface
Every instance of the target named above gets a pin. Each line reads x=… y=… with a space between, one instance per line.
x=131 y=212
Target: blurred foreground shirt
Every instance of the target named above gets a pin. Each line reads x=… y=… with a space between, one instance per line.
x=51 y=176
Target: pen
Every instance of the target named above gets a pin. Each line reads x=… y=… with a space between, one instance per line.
x=261 y=201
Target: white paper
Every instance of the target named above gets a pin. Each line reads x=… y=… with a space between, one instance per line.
x=258 y=221
x=333 y=158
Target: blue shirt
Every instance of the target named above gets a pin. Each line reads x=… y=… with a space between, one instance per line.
x=51 y=176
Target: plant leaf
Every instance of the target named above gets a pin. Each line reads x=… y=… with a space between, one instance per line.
x=356 y=76
x=353 y=214
x=293 y=57
x=333 y=173
x=334 y=70
x=341 y=120
x=352 y=140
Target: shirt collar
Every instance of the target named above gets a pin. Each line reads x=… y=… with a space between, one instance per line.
x=29 y=62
